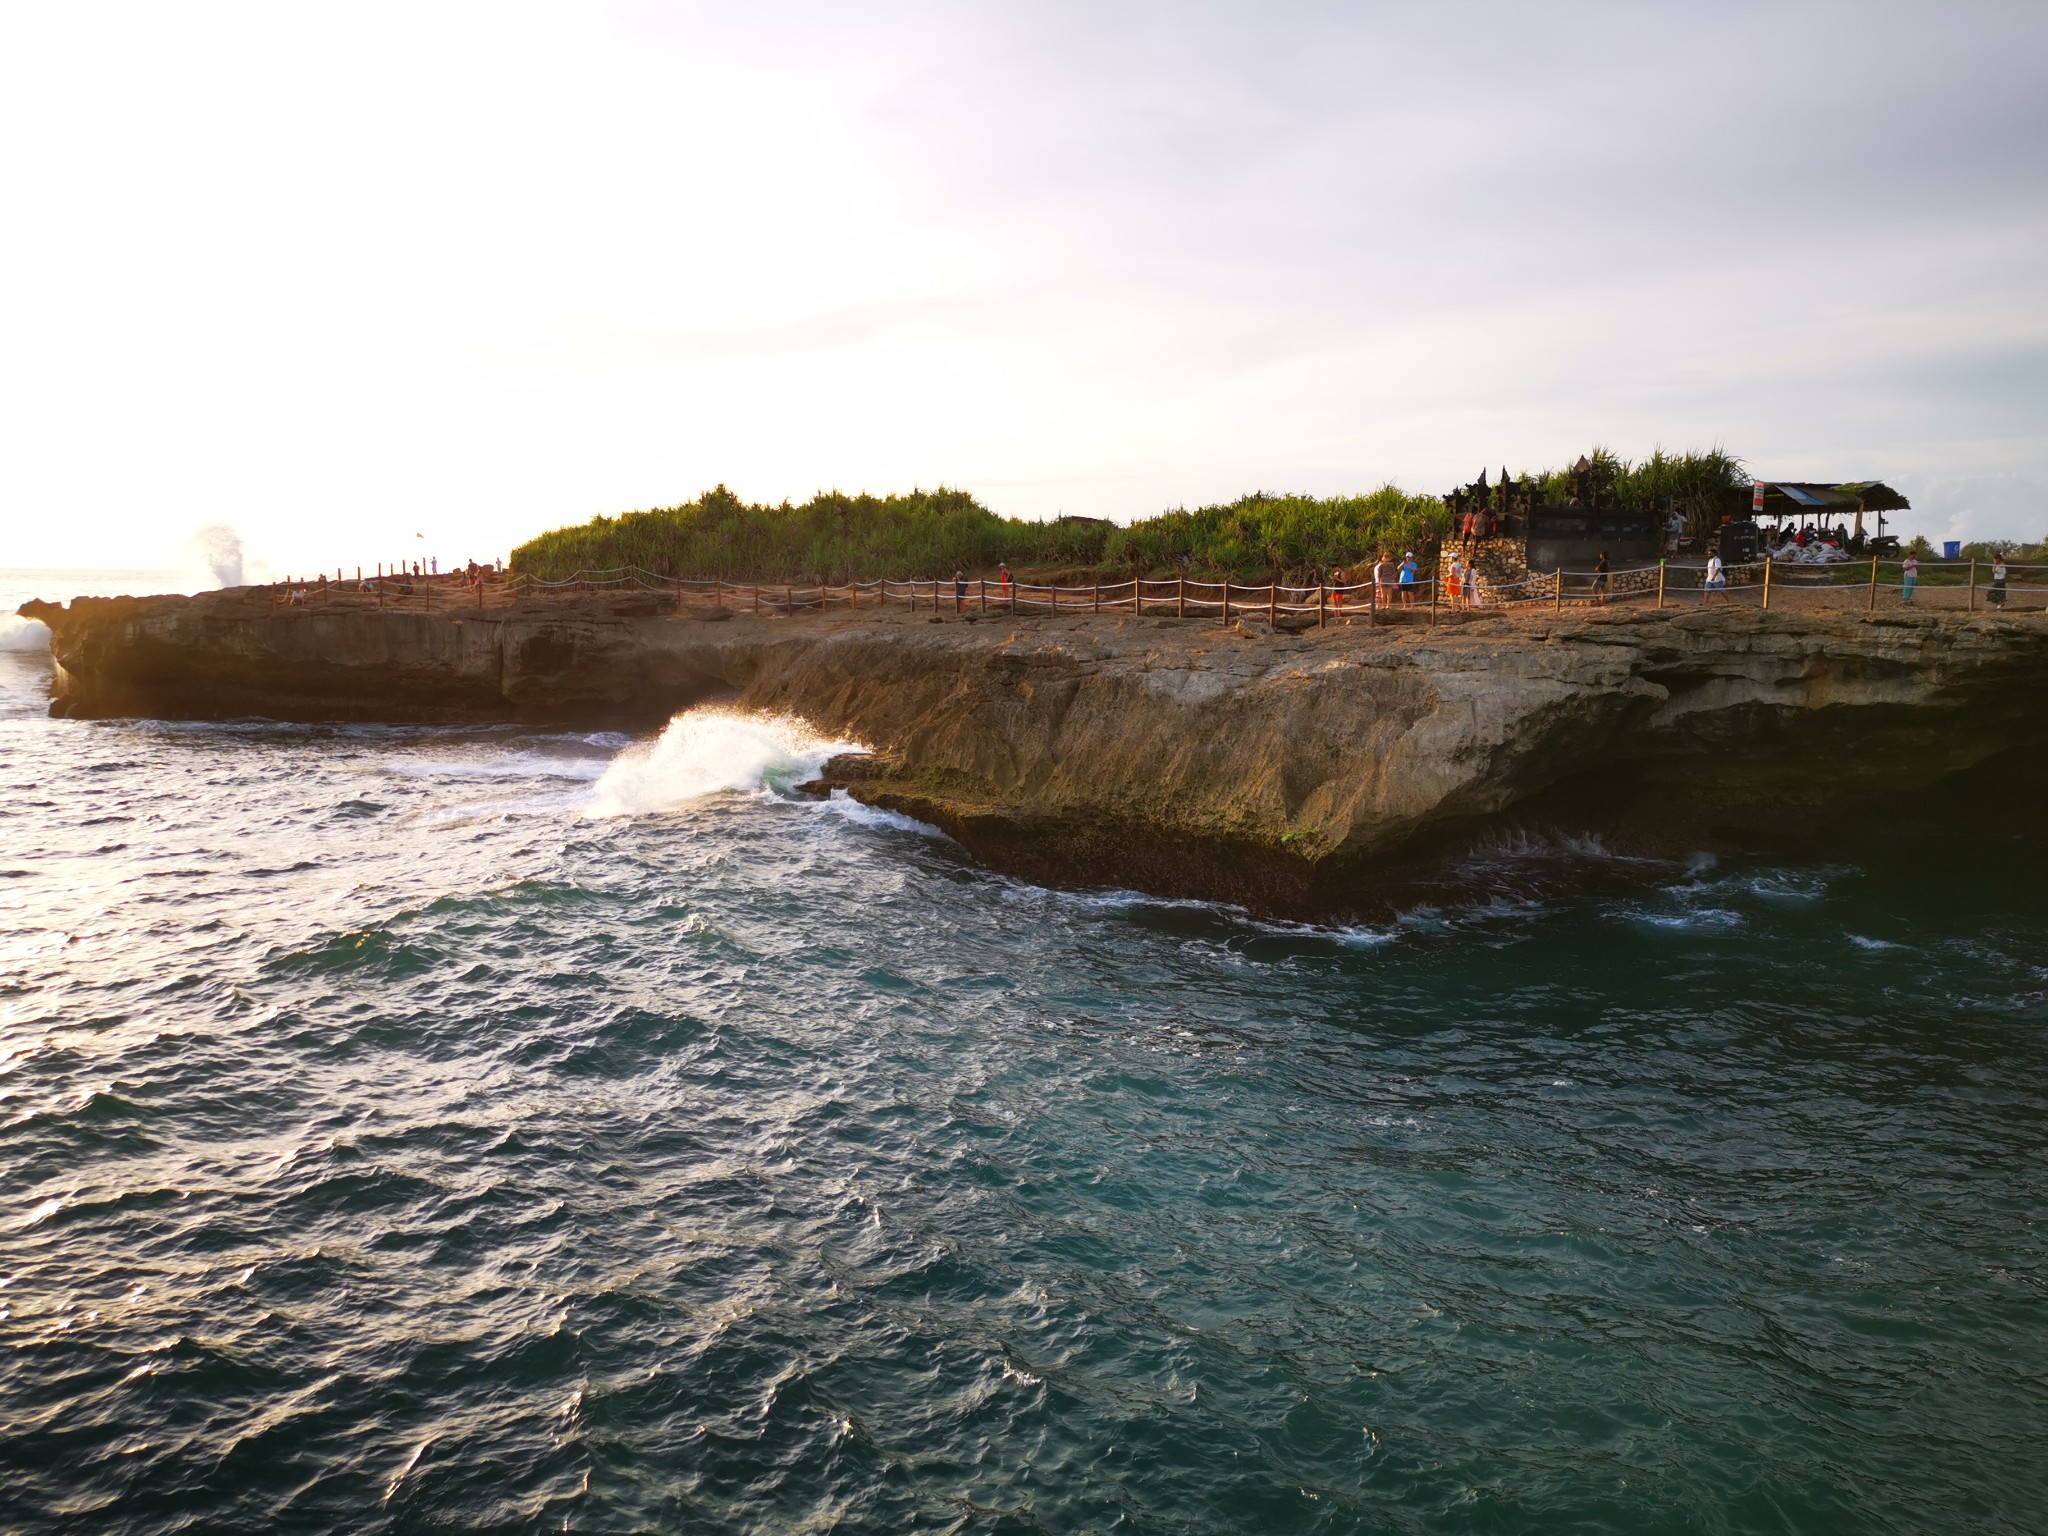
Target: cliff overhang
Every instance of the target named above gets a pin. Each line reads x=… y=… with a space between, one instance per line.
x=1294 y=774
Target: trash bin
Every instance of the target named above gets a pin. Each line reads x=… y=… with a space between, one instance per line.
x=1952 y=549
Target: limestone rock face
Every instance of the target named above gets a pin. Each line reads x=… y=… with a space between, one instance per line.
x=1285 y=772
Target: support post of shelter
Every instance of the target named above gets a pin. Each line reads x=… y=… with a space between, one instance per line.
x=1767 y=582
x=1871 y=605
x=1660 y=583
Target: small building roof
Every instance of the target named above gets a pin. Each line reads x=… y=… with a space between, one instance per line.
x=1844 y=496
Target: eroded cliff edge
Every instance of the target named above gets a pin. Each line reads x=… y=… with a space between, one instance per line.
x=1290 y=773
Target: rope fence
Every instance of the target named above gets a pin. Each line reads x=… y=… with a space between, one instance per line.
x=1974 y=586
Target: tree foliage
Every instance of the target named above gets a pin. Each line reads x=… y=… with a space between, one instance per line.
x=925 y=534
x=837 y=537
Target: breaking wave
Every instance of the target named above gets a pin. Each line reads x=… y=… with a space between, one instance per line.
x=19 y=634
x=708 y=752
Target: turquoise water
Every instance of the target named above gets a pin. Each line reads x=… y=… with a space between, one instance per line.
x=413 y=1129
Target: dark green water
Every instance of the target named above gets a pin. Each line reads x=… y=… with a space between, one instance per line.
x=389 y=1143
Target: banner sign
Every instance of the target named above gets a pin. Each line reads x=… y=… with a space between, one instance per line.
x=1756 y=498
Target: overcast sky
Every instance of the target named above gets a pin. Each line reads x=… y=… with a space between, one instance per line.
x=339 y=275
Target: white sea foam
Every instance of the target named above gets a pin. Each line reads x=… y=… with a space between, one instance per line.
x=708 y=752
x=844 y=805
x=19 y=634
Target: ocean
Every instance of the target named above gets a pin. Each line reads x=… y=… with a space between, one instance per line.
x=411 y=1129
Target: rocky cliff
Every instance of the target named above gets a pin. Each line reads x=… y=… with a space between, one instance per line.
x=1293 y=773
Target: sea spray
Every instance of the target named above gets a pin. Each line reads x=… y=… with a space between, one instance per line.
x=215 y=557
x=710 y=751
x=19 y=634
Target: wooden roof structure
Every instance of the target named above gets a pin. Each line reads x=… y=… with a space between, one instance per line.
x=1813 y=498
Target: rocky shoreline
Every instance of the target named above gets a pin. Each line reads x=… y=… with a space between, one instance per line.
x=1295 y=774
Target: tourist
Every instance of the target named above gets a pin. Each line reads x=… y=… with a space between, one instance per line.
x=1717 y=579
x=1003 y=577
x=1998 y=582
x=1600 y=578
x=1454 y=587
x=1909 y=578
x=1407 y=579
x=1337 y=592
x=1383 y=581
x=959 y=591
x=1472 y=584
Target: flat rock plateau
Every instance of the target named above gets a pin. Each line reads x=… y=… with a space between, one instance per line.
x=1298 y=775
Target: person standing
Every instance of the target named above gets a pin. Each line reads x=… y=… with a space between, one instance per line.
x=1383 y=581
x=959 y=591
x=1407 y=579
x=1717 y=579
x=1337 y=591
x=1909 y=578
x=1998 y=582
x=1472 y=584
x=1600 y=578
x=1454 y=584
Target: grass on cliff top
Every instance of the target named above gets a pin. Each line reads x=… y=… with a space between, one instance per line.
x=925 y=534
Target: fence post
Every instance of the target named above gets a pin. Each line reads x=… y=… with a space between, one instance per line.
x=1098 y=593
x=1273 y=604
x=1372 y=600
x=1436 y=585
x=1660 y=582
x=757 y=599
x=981 y=593
x=1767 y=581
x=1137 y=596
x=1559 y=595
x=1973 y=586
x=1871 y=606
x=789 y=601
x=1180 y=597
x=1321 y=592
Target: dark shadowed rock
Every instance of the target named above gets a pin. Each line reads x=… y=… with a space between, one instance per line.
x=1291 y=773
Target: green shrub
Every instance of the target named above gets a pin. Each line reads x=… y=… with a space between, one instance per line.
x=837 y=537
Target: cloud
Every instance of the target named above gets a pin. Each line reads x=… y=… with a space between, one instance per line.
x=1983 y=507
x=485 y=269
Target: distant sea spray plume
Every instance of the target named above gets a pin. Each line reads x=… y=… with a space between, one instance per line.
x=215 y=555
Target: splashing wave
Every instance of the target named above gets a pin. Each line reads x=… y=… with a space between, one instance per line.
x=712 y=751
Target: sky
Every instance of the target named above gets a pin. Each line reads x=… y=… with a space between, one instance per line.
x=343 y=276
